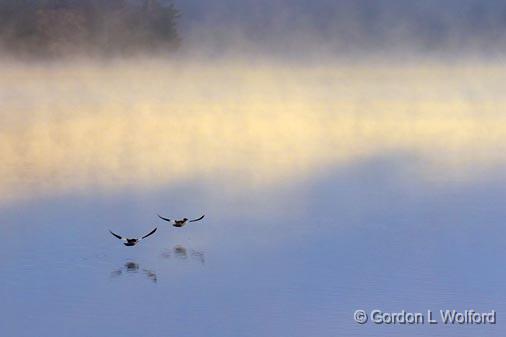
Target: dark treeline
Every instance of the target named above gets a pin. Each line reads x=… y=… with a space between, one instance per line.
x=60 y=27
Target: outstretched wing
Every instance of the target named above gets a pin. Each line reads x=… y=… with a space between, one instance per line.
x=166 y=219
x=202 y=217
x=150 y=233
x=116 y=235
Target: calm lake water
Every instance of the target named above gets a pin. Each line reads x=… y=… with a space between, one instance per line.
x=308 y=217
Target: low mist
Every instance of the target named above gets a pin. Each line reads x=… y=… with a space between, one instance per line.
x=81 y=127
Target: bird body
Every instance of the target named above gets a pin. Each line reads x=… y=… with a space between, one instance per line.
x=130 y=242
x=180 y=223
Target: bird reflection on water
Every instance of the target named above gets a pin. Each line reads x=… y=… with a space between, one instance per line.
x=182 y=253
x=133 y=267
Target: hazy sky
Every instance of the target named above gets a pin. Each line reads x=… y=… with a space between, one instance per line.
x=343 y=25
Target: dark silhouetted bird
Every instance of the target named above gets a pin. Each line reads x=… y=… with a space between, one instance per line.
x=132 y=242
x=180 y=223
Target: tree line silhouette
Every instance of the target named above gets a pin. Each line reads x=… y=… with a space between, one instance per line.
x=55 y=27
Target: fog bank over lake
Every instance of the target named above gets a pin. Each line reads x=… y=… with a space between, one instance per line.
x=82 y=127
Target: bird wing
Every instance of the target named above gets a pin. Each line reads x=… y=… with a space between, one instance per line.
x=116 y=235
x=202 y=217
x=145 y=236
x=161 y=217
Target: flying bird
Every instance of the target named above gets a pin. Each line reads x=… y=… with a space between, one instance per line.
x=132 y=242
x=180 y=223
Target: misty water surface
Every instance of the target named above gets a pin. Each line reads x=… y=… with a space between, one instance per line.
x=326 y=189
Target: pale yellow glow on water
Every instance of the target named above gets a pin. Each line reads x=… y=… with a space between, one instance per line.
x=145 y=124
